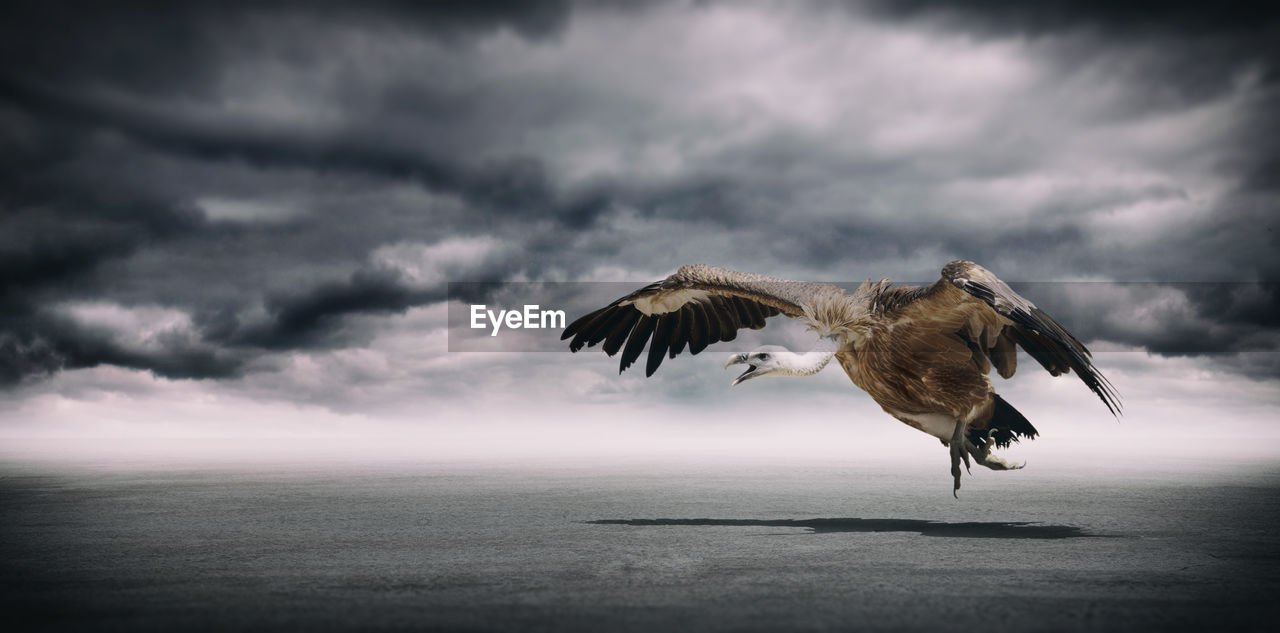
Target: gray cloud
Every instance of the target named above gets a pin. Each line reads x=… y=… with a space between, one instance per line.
x=1174 y=54
x=1172 y=319
x=289 y=176
x=44 y=343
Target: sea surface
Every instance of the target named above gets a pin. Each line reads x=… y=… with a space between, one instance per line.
x=634 y=547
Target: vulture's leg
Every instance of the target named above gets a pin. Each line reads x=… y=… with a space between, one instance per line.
x=958 y=453
x=984 y=456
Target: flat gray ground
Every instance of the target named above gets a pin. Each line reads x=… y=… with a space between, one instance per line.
x=638 y=549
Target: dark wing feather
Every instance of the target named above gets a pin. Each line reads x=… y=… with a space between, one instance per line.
x=725 y=320
x=699 y=333
x=596 y=326
x=1056 y=349
x=694 y=308
x=679 y=333
x=661 y=341
x=635 y=342
x=757 y=312
x=618 y=333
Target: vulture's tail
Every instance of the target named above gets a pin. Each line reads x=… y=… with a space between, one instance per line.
x=1006 y=426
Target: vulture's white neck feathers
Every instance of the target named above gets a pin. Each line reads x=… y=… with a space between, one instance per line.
x=810 y=362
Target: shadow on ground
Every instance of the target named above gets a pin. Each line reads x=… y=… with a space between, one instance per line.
x=1007 y=530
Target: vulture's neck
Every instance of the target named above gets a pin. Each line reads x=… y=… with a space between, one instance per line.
x=811 y=362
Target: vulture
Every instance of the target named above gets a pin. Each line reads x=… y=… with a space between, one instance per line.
x=922 y=353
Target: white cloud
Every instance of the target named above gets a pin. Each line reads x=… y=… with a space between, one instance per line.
x=218 y=209
x=136 y=327
x=430 y=264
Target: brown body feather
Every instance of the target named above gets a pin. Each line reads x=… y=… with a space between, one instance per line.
x=914 y=359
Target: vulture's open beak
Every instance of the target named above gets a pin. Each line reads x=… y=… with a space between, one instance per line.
x=735 y=359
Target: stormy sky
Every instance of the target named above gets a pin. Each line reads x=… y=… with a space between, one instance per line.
x=233 y=216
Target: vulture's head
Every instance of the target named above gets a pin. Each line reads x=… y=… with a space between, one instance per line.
x=770 y=360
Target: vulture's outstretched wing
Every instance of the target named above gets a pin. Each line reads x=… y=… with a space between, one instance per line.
x=1016 y=322
x=695 y=307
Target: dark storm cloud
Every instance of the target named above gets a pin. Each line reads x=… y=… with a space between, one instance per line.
x=1222 y=317
x=43 y=262
x=78 y=78
x=1170 y=319
x=42 y=343
x=1184 y=53
x=1035 y=18
x=312 y=318
x=134 y=174
x=150 y=44
x=500 y=184
x=78 y=69
x=516 y=185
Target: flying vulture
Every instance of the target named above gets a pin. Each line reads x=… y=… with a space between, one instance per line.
x=922 y=353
